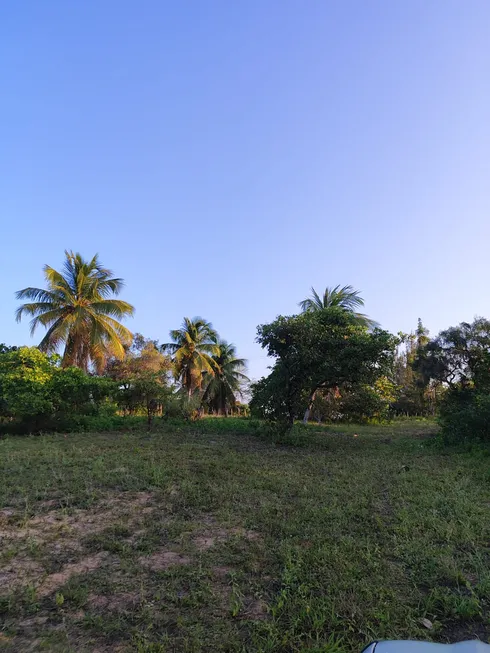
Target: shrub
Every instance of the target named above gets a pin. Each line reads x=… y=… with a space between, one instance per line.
x=180 y=405
x=25 y=375
x=465 y=416
x=37 y=395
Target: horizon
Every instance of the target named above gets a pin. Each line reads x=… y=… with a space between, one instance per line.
x=224 y=160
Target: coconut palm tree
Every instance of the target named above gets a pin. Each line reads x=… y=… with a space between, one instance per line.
x=192 y=348
x=345 y=298
x=79 y=312
x=227 y=380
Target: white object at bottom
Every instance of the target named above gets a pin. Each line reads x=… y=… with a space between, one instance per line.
x=426 y=647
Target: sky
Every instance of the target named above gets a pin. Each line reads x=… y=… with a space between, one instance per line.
x=222 y=157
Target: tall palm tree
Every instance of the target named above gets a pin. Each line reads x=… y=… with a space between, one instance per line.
x=193 y=347
x=79 y=312
x=228 y=379
x=345 y=298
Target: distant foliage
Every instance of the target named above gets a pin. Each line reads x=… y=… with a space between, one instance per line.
x=192 y=349
x=465 y=416
x=368 y=402
x=459 y=358
x=416 y=394
x=227 y=381
x=143 y=378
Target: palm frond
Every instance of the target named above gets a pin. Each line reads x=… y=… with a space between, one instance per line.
x=36 y=295
x=46 y=318
x=54 y=336
x=344 y=297
x=114 y=307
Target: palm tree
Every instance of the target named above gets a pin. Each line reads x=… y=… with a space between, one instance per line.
x=227 y=380
x=78 y=311
x=193 y=347
x=345 y=298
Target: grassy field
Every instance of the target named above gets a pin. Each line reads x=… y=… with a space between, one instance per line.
x=193 y=541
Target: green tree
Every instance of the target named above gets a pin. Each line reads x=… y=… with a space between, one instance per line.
x=192 y=348
x=345 y=298
x=79 y=312
x=25 y=374
x=142 y=377
x=459 y=359
x=458 y=356
x=317 y=350
x=37 y=394
x=76 y=394
x=227 y=381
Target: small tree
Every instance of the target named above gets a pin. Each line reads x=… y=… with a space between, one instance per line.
x=25 y=374
x=317 y=350
x=143 y=378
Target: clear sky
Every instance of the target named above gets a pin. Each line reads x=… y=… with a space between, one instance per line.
x=222 y=157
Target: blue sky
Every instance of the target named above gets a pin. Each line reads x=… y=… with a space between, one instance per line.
x=222 y=157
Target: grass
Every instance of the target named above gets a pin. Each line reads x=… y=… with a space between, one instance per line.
x=196 y=539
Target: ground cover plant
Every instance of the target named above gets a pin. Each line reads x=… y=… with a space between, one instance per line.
x=195 y=538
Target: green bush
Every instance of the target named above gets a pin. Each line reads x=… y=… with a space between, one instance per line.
x=364 y=404
x=465 y=416
x=37 y=395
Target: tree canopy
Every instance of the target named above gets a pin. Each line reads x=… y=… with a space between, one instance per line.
x=345 y=298
x=192 y=348
x=79 y=312
x=318 y=349
x=458 y=355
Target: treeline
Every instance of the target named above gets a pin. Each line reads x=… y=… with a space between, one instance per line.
x=331 y=362
x=38 y=394
x=89 y=370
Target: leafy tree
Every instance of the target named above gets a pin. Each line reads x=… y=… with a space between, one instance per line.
x=73 y=391
x=25 y=374
x=317 y=350
x=79 y=312
x=458 y=356
x=345 y=298
x=143 y=377
x=193 y=347
x=36 y=394
x=227 y=381
x=465 y=415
